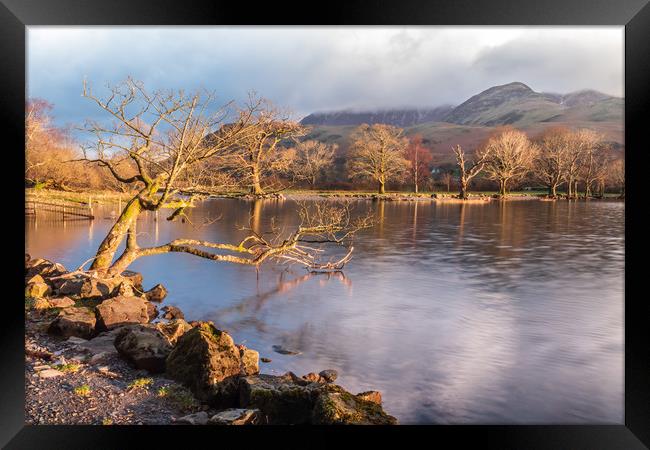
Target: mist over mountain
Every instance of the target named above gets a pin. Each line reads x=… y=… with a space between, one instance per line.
x=469 y=123
x=509 y=104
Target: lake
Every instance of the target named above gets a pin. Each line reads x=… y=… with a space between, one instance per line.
x=509 y=312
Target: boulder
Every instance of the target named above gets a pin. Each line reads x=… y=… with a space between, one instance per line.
x=103 y=343
x=236 y=416
x=174 y=329
x=135 y=278
x=44 y=268
x=250 y=361
x=156 y=293
x=35 y=279
x=199 y=418
x=279 y=399
x=37 y=290
x=41 y=303
x=87 y=287
x=119 y=311
x=74 y=321
x=143 y=346
x=329 y=375
x=335 y=406
x=371 y=396
x=207 y=361
x=61 y=302
x=314 y=378
x=172 y=312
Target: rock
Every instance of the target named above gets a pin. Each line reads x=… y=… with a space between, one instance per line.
x=266 y=360
x=199 y=418
x=102 y=343
x=279 y=399
x=156 y=293
x=329 y=374
x=144 y=347
x=44 y=268
x=41 y=367
x=34 y=279
x=207 y=361
x=61 y=302
x=284 y=351
x=236 y=416
x=135 y=278
x=37 y=289
x=74 y=340
x=371 y=396
x=126 y=289
x=87 y=287
x=314 y=378
x=74 y=321
x=174 y=329
x=99 y=358
x=335 y=406
x=49 y=373
x=41 y=303
x=172 y=312
x=249 y=361
x=119 y=311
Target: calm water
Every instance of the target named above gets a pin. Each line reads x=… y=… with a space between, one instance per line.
x=500 y=313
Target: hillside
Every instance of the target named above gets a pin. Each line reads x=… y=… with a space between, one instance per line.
x=469 y=123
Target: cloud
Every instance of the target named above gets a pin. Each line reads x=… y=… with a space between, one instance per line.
x=322 y=68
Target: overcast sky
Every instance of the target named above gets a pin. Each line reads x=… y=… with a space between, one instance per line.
x=309 y=69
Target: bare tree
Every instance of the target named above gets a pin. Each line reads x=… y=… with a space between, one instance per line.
x=419 y=158
x=312 y=159
x=467 y=172
x=377 y=154
x=164 y=133
x=256 y=155
x=511 y=156
x=616 y=175
x=593 y=164
x=446 y=179
x=553 y=158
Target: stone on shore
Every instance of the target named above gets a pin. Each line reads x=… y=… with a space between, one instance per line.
x=50 y=373
x=172 y=312
x=173 y=329
x=199 y=418
x=371 y=396
x=156 y=293
x=207 y=361
x=74 y=321
x=279 y=399
x=119 y=311
x=329 y=375
x=144 y=347
x=250 y=361
x=134 y=277
x=44 y=268
x=61 y=302
x=335 y=406
x=37 y=289
x=236 y=416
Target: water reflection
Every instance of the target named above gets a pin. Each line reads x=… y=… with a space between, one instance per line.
x=510 y=312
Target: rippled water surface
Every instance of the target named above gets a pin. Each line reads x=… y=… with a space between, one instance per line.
x=501 y=313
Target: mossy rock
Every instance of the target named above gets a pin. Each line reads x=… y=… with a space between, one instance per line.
x=335 y=406
x=279 y=398
x=207 y=361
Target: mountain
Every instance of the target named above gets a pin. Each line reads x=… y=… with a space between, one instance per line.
x=509 y=104
x=517 y=104
x=398 y=117
x=469 y=123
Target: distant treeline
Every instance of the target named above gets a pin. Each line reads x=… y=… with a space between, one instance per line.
x=273 y=154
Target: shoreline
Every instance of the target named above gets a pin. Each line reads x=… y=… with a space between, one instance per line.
x=97 y=351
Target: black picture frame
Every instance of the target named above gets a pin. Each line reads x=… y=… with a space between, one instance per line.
x=15 y=15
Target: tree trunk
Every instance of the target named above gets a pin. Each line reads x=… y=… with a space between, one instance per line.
x=382 y=189
x=463 y=189
x=108 y=247
x=552 y=191
x=256 y=187
x=502 y=188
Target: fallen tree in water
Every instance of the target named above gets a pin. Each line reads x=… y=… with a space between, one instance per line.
x=156 y=141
